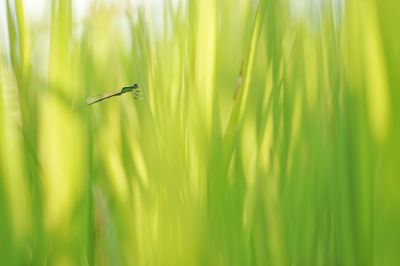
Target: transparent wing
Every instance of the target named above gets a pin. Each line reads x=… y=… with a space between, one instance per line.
x=99 y=98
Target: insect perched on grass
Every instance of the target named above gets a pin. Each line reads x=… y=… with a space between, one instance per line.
x=137 y=94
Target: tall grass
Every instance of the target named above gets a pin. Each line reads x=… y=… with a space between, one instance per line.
x=268 y=134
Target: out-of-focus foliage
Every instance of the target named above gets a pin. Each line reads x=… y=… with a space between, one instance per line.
x=269 y=133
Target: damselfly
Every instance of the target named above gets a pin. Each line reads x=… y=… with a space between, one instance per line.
x=137 y=94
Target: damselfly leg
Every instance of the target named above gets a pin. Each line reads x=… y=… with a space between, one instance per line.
x=138 y=94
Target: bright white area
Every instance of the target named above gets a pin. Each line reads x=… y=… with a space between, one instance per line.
x=37 y=10
x=311 y=10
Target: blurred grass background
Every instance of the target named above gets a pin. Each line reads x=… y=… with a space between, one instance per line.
x=269 y=134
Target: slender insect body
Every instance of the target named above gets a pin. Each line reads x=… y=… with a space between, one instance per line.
x=137 y=94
